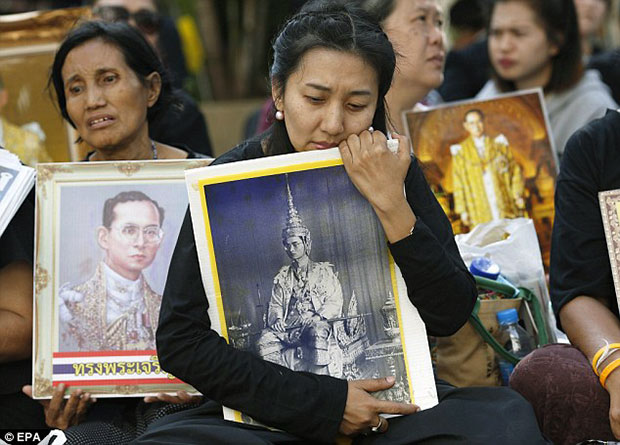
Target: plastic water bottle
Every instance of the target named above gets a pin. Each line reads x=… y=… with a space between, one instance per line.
x=514 y=338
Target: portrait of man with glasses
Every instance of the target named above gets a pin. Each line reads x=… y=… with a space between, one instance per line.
x=116 y=308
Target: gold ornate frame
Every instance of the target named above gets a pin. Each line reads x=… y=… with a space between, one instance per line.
x=52 y=178
x=28 y=43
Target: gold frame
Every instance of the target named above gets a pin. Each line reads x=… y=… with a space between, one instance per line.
x=28 y=43
x=52 y=178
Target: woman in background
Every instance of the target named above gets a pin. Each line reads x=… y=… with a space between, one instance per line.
x=536 y=43
x=415 y=29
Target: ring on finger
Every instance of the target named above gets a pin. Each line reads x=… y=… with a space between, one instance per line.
x=377 y=428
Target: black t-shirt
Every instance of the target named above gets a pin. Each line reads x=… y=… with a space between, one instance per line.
x=579 y=257
x=307 y=405
x=17 y=244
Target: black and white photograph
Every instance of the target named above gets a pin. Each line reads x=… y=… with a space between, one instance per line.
x=313 y=290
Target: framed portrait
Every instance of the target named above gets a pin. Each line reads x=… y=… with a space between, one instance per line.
x=32 y=126
x=489 y=159
x=104 y=236
x=296 y=269
x=609 y=202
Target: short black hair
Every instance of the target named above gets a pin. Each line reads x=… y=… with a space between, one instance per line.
x=559 y=20
x=134 y=195
x=139 y=55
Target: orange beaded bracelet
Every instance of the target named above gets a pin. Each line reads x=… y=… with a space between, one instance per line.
x=608 y=370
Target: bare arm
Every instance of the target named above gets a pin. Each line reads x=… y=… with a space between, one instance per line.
x=15 y=311
x=588 y=323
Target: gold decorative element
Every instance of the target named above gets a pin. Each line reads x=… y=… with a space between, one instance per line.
x=38 y=26
x=197 y=163
x=42 y=386
x=41 y=278
x=45 y=172
x=126 y=389
x=129 y=168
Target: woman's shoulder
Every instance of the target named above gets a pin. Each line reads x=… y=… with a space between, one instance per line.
x=249 y=149
x=590 y=92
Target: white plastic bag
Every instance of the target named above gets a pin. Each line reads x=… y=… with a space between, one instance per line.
x=513 y=245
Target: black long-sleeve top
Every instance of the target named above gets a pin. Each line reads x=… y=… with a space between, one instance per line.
x=579 y=256
x=304 y=404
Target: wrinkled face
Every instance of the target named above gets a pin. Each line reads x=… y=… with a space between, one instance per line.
x=133 y=6
x=415 y=28
x=105 y=99
x=518 y=46
x=294 y=247
x=474 y=124
x=133 y=239
x=331 y=95
x=590 y=14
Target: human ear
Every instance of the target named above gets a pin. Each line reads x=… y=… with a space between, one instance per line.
x=102 y=237
x=153 y=82
x=276 y=95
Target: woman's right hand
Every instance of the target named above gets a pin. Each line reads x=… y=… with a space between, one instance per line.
x=61 y=413
x=362 y=410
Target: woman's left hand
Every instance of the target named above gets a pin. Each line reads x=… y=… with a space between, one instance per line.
x=379 y=175
x=180 y=397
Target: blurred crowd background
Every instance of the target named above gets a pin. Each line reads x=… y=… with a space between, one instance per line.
x=219 y=50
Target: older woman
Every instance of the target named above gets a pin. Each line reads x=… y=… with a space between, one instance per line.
x=110 y=86
x=332 y=68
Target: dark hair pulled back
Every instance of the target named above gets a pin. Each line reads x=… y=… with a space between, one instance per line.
x=337 y=26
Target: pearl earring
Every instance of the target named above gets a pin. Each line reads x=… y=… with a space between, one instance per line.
x=280 y=115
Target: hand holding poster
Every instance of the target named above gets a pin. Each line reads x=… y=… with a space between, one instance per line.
x=296 y=269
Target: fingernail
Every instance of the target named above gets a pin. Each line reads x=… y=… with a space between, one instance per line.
x=417 y=408
x=61 y=387
x=390 y=379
